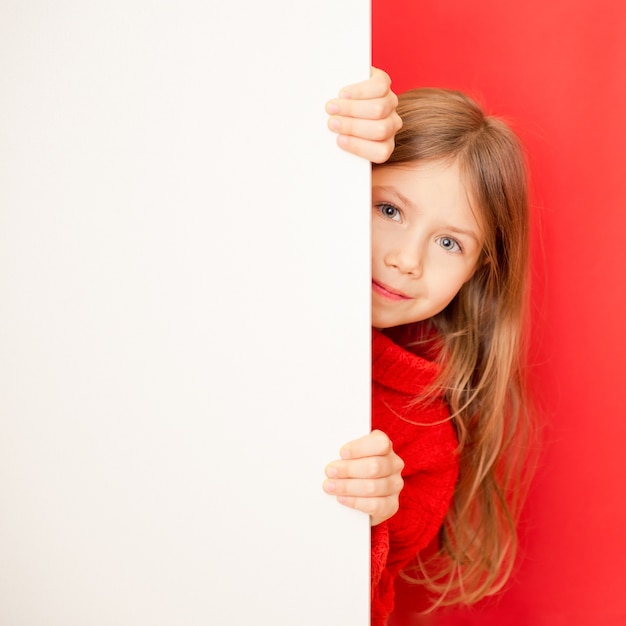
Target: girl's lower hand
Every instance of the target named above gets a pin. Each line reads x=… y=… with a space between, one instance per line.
x=367 y=477
x=365 y=119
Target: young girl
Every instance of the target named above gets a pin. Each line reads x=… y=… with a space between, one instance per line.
x=443 y=467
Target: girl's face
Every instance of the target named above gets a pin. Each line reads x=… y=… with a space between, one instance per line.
x=426 y=241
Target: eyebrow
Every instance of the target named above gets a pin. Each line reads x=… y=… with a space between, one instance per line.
x=404 y=200
x=394 y=192
x=462 y=231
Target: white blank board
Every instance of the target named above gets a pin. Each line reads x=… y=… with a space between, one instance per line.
x=184 y=313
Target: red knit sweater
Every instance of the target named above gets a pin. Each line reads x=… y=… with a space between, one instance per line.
x=431 y=464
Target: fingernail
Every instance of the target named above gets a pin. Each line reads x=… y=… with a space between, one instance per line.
x=342 y=499
x=334 y=124
x=344 y=94
x=332 y=108
x=331 y=472
x=344 y=452
x=329 y=486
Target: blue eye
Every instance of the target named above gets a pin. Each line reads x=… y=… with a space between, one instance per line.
x=449 y=244
x=389 y=211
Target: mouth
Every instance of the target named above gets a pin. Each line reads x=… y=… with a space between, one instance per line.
x=387 y=292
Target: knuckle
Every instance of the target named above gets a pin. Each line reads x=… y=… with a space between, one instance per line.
x=382 y=130
x=373 y=468
x=345 y=487
x=369 y=488
x=337 y=487
x=381 y=436
x=345 y=142
x=383 y=439
x=395 y=506
x=345 y=125
x=370 y=506
x=379 y=154
x=382 y=76
x=397 y=122
x=343 y=470
x=379 y=110
x=390 y=128
x=349 y=501
x=399 y=464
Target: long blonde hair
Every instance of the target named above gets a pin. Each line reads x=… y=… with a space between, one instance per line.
x=481 y=345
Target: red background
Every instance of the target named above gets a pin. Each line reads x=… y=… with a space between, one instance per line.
x=557 y=70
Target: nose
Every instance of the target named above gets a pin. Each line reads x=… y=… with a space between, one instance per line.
x=406 y=255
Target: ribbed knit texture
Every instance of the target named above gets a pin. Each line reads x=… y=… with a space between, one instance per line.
x=425 y=440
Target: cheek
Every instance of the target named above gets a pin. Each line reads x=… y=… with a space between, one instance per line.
x=479 y=267
x=448 y=283
x=469 y=276
x=377 y=243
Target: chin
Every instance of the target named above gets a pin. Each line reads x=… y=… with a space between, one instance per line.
x=381 y=324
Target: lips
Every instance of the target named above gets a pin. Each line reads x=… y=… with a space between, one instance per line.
x=388 y=292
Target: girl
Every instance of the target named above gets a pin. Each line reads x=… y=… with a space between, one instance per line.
x=449 y=276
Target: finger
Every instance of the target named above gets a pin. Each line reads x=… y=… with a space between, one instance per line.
x=374 y=151
x=373 y=109
x=376 y=86
x=367 y=467
x=379 y=509
x=365 y=488
x=376 y=443
x=372 y=130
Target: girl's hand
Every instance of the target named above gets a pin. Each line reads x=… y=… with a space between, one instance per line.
x=365 y=119
x=367 y=477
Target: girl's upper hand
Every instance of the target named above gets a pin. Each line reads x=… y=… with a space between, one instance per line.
x=365 y=119
x=367 y=477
